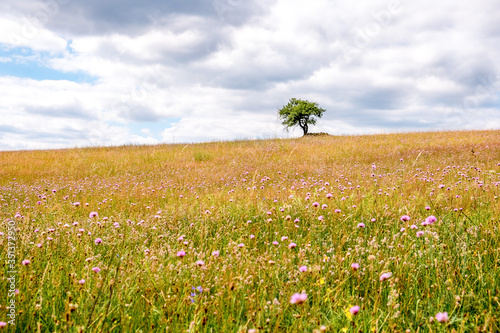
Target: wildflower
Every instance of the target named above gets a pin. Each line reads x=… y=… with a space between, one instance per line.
x=181 y=253
x=298 y=298
x=275 y=243
x=427 y=208
x=442 y=317
x=337 y=210
x=252 y=236
x=402 y=229
x=373 y=219
x=361 y=225
x=385 y=276
x=292 y=245
x=430 y=219
x=303 y=268
x=200 y=263
x=355 y=266
x=315 y=204
x=354 y=310
x=420 y=233
x=296 y=220
x=96 y=269
x=93 y=214
x=76 y=204
x=26 y=262
x=3 y=324
x=240 y=245
x=82 y=281
x=413 y=226
x=216 y=253
x=405 y=218
x=39 y=245
x=321 y=218
x=329 y=196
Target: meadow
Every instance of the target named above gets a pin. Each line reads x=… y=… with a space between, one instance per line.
x=381 y=233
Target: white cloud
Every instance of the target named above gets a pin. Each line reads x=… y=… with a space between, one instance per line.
x=376 y=66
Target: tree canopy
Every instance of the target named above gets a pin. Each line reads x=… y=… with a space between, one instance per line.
x=300 y=112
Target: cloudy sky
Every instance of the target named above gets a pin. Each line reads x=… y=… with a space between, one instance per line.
x=83 y=73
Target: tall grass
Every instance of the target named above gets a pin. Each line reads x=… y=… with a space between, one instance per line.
x=153 y=202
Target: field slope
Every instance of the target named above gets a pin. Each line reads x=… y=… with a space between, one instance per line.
x=382 y=233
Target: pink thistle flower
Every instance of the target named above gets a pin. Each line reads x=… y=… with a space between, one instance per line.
x=252 y=236
x=200 y=263
x=296 y=220
x=441 y=186
x=284 y=238
x=240 y=245
x=96 y=269
x=420 y=233
x=98 y=241
x=39 y=245
x=354 y=310
x=76 y=204
x=26 y=262
x=292 y=245
x=321 y=218
x=82 y=281
x=405 y=218
x=355 y=266
x=275 y=243
x=442 y=317
x=427 y=208
x=324 y=206
x=413 y=226
x=337 y=210
x=3 y=324
x=430 y=219
x=303 y=268
x=361 y=225
x=373 y=219
x=93 y=214
x=329 y=196
x=385 y=276
x=298 y=298
x=181 y=253
x=216 y=253
x=315 y=204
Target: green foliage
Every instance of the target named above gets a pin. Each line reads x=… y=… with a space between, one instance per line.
x=300 y=112
x=202 y=156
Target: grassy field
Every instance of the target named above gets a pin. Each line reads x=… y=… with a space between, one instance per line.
x=382 y=233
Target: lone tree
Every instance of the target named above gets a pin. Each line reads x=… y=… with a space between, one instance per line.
x=299 y=112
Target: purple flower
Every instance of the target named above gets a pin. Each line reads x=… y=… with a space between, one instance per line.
x=181 y=253
x=303 y=268
x=355 y=266
x=405 y=218
x=420 y=233
x=292 y=245
x=298 y=298
x=216 y=253
x=96 y=269
x=361 y=225
x=93 y=214
x=385 y=276
x=315 y=204
x=354 y=310
x=82 y=281
x=200 y=263
x=430 y=219
x=26 y=262
x=98 y=241
x=442 y=317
